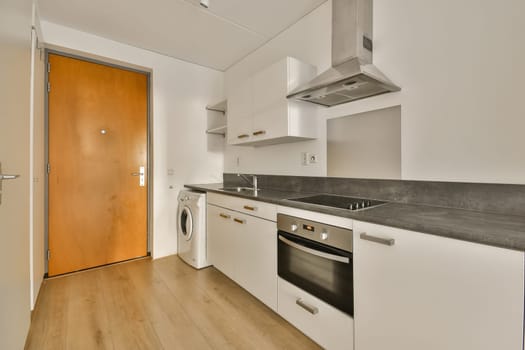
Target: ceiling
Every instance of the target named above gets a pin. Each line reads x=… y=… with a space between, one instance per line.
x=216 y=37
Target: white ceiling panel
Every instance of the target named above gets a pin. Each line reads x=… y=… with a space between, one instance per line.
x=265 y=17
x=216 y=37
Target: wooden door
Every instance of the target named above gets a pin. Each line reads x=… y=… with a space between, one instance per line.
x=97 y=141
x=15 y=48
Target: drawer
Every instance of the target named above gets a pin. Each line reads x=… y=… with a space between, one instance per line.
x=329 y=327
x=251 y=207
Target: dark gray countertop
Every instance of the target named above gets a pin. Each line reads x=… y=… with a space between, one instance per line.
x=506 y=231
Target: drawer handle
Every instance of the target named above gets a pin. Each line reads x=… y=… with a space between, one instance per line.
x=260 y=132
x=243 y=136
x=385 y=241
x=224 y=216
x=239 y=221
x=311 y=309
x=247 y=207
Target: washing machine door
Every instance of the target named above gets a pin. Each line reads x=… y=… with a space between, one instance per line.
x=186 y=223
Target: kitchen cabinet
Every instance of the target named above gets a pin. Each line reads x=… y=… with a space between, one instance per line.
x=327 y=326
x=221 y=239
x=239 y=113
x=256 y=257
x=259 y=112
x=217 y=118
x=430 y=292
x=243 y=246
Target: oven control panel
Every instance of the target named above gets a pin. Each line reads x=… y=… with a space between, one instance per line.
x=316 y=231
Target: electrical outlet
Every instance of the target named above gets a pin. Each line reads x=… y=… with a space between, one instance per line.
x=304 y=158
x=312 y=159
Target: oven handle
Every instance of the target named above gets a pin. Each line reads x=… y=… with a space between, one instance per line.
x=328 y=256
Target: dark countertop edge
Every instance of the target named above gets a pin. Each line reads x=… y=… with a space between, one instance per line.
x=368 y=215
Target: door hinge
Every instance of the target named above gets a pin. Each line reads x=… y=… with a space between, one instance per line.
x=48 y=67
x=48 y=254
x=48 y=86
x=48 y=168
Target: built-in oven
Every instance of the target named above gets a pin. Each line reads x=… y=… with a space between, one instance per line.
x=317 y=258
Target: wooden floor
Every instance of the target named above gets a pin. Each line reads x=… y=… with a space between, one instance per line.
x=160 y=304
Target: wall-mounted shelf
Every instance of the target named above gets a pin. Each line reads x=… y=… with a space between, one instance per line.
x=217 y=122
x=217 y=107
x=220 y=130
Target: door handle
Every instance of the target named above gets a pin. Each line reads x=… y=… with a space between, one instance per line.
x=8 y=177
x=239 y=221
x=243 y=136
x=260 y=132
x=248 y=207
x=141 y=175
x=385 y=241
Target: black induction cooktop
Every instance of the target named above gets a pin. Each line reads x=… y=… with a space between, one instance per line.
x=334 y=201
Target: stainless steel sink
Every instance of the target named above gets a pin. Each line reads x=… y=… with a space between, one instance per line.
x=240 y=189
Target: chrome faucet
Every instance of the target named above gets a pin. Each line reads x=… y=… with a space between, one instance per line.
x=253 y=180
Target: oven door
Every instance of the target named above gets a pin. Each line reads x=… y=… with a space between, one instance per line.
x=320 y=270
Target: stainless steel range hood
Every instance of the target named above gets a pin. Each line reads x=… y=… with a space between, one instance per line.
x=352 y=76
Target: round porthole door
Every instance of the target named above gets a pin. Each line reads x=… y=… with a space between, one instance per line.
x=186 y=223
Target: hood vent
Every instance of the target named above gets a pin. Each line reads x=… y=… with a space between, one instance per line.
x=352 y=76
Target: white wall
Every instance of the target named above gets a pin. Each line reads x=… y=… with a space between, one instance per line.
x=460 y=65
x=365 y=145
x=180 y=92
x=309 y=41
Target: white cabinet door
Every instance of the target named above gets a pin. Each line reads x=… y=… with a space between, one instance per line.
x=221 y=240
x=257 y=257
x=434 y=293
x=240 y=101
x=244 y=248
x=270 y=106
x=259 y=112
x=328 y=326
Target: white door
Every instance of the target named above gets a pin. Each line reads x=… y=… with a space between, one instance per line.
x=15 y=48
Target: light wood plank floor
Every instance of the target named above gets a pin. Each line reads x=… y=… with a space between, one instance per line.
x=155 y=304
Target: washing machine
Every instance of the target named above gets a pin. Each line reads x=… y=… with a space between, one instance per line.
x=191 y=228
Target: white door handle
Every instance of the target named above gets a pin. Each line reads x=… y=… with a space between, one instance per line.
x=8 y=177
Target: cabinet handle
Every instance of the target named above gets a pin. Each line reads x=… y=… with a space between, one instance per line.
x=224 y=216
x=260 y=132
x=243 y=136
x=385 y=241
x=311 y=309
x=239 y=221
x=247 y=207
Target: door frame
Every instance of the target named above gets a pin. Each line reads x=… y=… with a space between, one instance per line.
x=149 y=143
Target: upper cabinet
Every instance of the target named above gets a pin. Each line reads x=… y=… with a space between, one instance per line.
x=259 y=113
